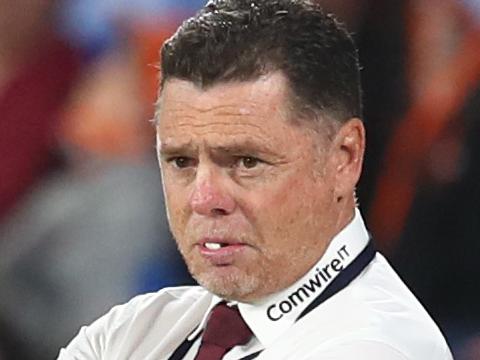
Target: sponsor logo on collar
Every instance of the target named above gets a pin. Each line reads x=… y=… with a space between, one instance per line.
x=314 y=284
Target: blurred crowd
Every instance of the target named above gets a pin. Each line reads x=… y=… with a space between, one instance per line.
x=82 y=223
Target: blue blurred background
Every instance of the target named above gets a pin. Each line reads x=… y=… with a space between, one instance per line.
x=82 y=223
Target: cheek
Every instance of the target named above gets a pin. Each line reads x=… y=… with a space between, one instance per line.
x=296 y=208
x=176 y=204
x=278 y=207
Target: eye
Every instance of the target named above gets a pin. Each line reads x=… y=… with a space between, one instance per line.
x=249 y=166
x=249 y=162
x=181 y=162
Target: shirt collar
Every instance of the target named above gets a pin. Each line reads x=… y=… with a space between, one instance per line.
x=272 y=316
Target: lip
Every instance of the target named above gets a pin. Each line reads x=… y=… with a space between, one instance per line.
x=225 y=255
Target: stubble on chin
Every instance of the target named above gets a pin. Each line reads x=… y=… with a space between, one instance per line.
x=246 y=282
x=230 y=283
x=232 y=286
x=239 y=284
x=234 y=283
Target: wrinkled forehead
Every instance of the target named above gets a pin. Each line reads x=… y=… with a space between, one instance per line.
x=237 y=108
x=228 y=116
x=267 y=93
x=249 y=108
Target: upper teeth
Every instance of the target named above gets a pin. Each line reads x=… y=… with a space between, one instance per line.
x=212 y=246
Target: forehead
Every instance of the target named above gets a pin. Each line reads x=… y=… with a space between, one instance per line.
x=182 y=103
x=232 y=115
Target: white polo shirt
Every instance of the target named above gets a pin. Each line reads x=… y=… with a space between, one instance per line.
x=373 y=317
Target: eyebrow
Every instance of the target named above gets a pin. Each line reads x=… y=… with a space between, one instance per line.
x=169 y=147
x=241 y=146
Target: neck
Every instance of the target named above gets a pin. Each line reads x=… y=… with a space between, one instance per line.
x=346 y=213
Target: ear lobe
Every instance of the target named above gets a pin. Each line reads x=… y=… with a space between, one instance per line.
x=349 y=148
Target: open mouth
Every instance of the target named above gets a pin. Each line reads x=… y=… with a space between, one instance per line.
x=215 y=245
x=222 y=252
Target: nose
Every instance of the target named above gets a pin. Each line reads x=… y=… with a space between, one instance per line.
x=210 y=196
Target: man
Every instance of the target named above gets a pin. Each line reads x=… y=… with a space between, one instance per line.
x=260 y=145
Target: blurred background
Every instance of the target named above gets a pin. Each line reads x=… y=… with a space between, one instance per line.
x=82 y=224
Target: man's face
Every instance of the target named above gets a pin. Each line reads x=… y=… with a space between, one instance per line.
x=249 y=194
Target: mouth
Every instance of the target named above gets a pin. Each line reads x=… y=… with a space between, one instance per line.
x=210 y=245
x=221 y=252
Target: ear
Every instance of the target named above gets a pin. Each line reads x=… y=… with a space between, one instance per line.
x=348 y=151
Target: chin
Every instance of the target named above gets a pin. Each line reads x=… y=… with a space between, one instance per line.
x=230 y=286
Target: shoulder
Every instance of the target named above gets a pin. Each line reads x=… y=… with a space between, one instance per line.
x=137 y=319
x=376 y=313
x=384 y=301
x=361 y=349
x=175 y=297
x=166 y=300
x=390 y=317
